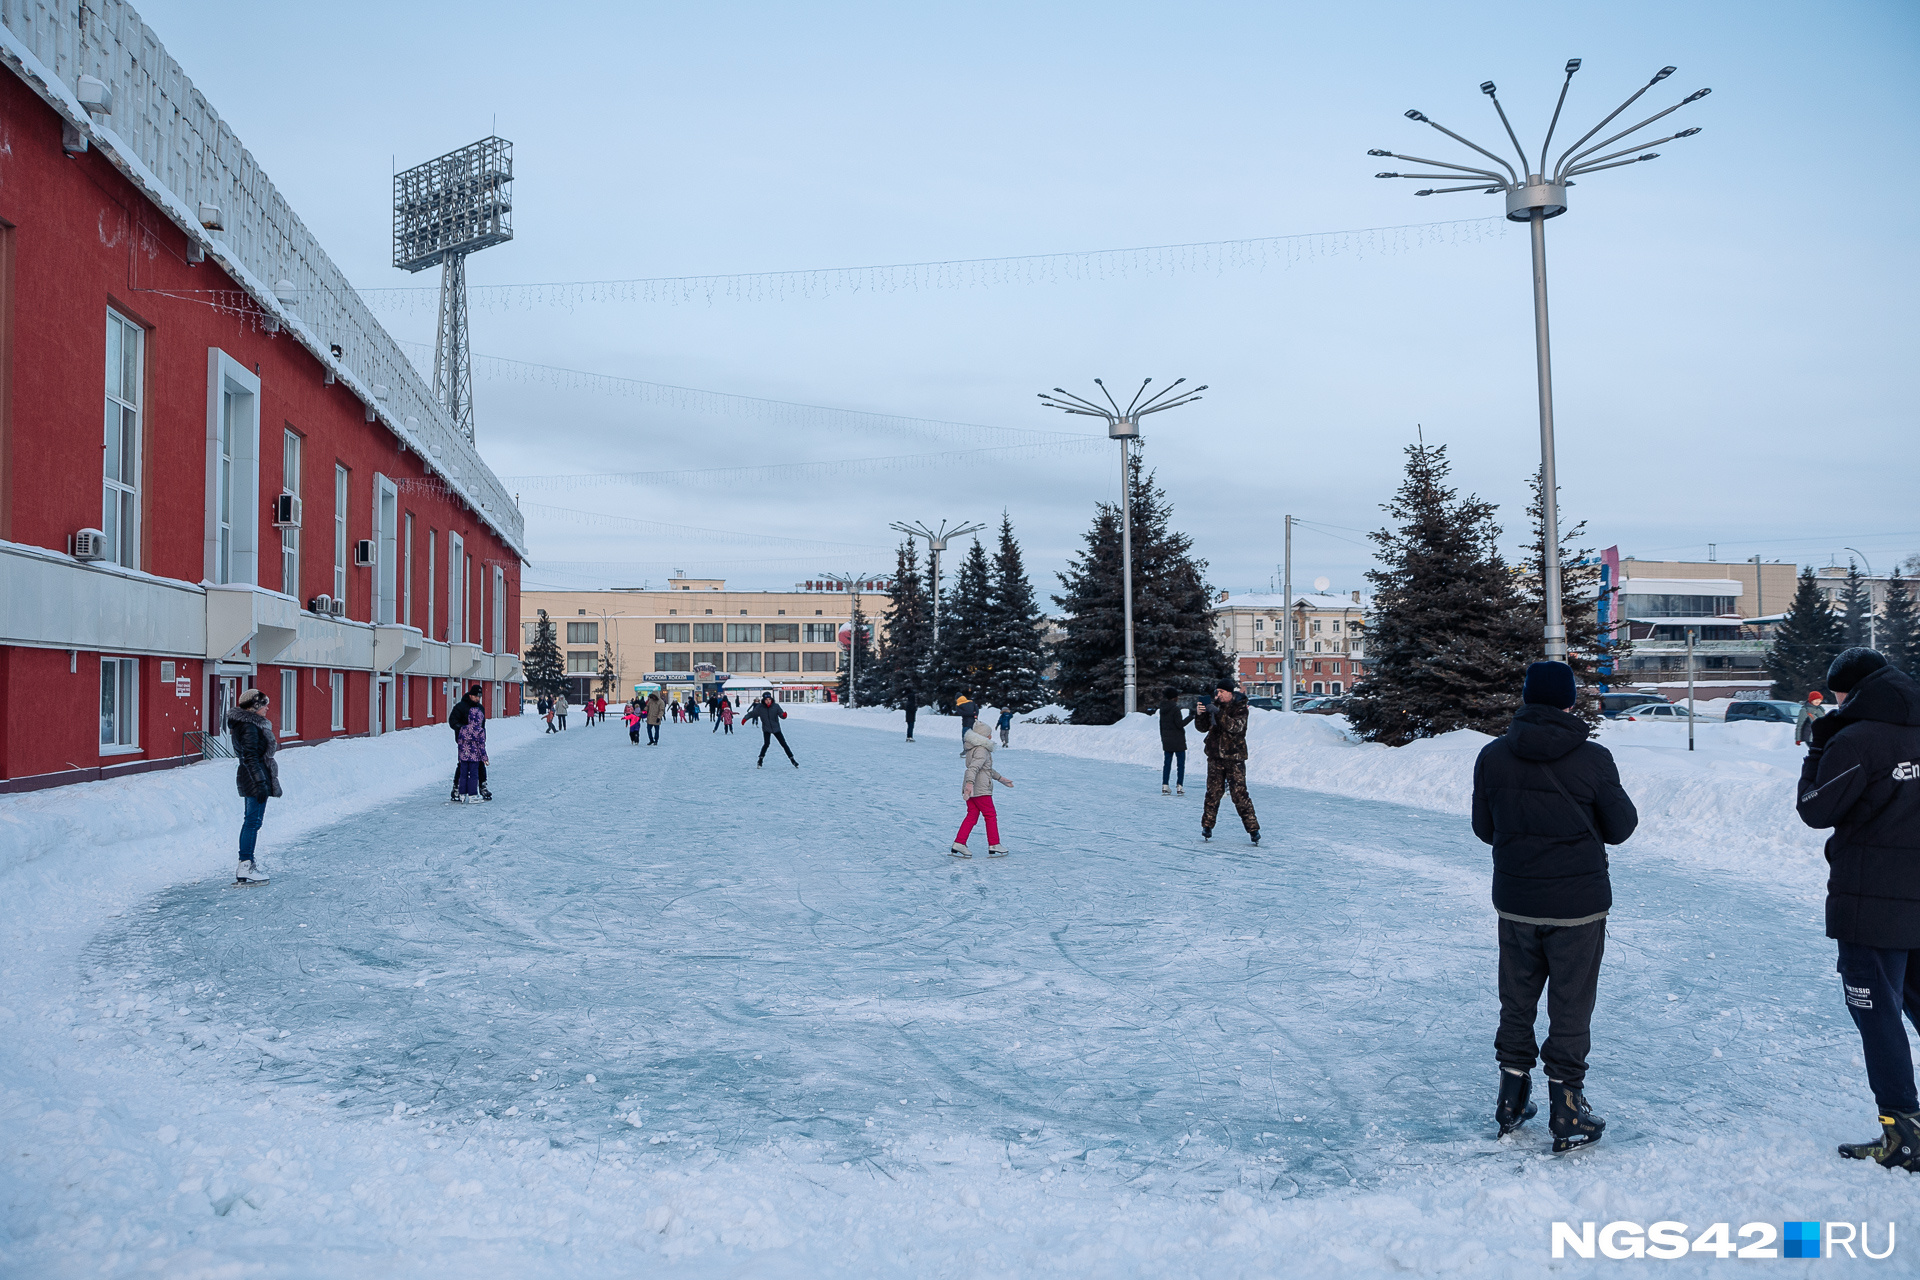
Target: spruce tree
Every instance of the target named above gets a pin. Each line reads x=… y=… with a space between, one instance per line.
x=545 y=670
x=1856 y=610
x=1580 y=576
x=1805 y=643
x=1450 y=636
x=909 y=629
x=1018 y=650
x=1900 y=628
x=608 y=672
x=1174 y=639
x=963 y=660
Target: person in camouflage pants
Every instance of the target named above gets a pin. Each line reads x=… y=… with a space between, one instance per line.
x=1225 y=724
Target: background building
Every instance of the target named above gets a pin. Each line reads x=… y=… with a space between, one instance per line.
x=689 y=632
x=1329 y=640
x=277 y=499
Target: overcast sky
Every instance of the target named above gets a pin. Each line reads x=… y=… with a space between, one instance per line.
x=1734 y=324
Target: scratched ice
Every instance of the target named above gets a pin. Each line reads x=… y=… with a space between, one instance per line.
x=731 y=959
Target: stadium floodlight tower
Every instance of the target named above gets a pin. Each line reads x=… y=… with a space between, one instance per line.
x=444 y=210
x=1534 y=194
x=1124 y=425
x=853 y=584
x=937 y=540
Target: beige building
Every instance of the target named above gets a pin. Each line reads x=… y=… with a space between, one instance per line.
x=694 y=635
x=1765 y=590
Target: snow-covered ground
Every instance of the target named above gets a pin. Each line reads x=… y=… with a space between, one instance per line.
x=656 y=1011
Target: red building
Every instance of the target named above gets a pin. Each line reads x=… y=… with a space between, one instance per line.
x=217 y=470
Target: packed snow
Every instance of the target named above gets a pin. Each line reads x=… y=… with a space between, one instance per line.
x=655 y=1005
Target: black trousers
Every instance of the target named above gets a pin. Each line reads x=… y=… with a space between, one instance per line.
x=1564 y=961
x=1879 y=984
x=911 y=712
x=767 y=737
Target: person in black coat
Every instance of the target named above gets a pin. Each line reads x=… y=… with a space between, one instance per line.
x=456 y=721
x=1549 y=801
x=769 y=714
x=258 y=777
x=1862 y=778
x=1174 y=719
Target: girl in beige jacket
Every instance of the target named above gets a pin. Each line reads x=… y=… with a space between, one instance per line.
x=977 y=790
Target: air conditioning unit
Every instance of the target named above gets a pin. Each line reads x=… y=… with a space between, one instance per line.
x=363 y=552
x=322 y=605
x=286 y=511
x=90 y=544
x=338 y=608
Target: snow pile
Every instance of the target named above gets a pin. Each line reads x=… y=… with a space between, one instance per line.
x=1727 y=804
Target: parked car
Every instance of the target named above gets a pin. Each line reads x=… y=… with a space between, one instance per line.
x=1614 y=705
x=1266 y=703
x=1658 y=711
x=1764 y=709
x=1332 y=705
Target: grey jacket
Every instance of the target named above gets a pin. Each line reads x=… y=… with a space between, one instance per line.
x=980 y=773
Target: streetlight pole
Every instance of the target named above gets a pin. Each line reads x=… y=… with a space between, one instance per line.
x=852 y=583
x=1532 y=198
x=1124 y=425
x=1871 y=629
x=936 y=543
x=1286 y=645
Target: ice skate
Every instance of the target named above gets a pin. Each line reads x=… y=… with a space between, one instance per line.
x=958 y=851
x=794 y=763
x=249 y=872
x=1164 y=790
x=485 y=794
x=1179 y=791
x=1206 y=833
x=1516 y=1105
x=996 y=851
x=1897 y=1147
x=1570 y=1120
x=1254 y=836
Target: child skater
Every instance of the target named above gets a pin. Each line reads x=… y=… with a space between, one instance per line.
x=977 y=790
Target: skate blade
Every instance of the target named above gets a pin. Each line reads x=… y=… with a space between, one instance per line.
x=249 y=884
x=1563 y=1145
x=952 y=854
x=996 y=855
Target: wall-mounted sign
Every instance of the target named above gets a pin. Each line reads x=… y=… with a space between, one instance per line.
x=183 y=687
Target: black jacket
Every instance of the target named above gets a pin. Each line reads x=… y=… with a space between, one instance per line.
x=768 y=714
x=1862 y=778
x=457 y=713
x=254 y=745
x=1547 y=865
x=1225 y=727
x=1173 y=723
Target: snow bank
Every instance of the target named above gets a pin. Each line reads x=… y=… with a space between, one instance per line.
x=1728 y=804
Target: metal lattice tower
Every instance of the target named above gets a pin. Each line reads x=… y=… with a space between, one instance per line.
x=443 y=210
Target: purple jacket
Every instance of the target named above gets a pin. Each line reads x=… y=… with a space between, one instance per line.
x=472 y=737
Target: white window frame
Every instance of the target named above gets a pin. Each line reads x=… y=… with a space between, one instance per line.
x=406 y=573
x=289 y=703
x=123 y=527
x=386 y=517
x=499 y=609
x=456 y=579
x=233 y=471
x=337 y=688
x=120 y=723
x=432 y=538
x=290 y=446
x=342 y=489
x=406 y=697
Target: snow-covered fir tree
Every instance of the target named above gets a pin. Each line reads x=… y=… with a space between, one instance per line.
x=963 y=658
x=1018 y=648
x=1856 y=610
x=545 y=670
x=1174 y=640
x=1580 y=573
x=1900 y=628
x=1805 y=642
x=1450 y=637
x=909 y=633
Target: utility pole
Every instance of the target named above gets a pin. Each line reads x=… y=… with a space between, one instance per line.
x=936 y=543
x=1124 y=425
x=1286 y=645
x=1759 y=597
x=1691 y=633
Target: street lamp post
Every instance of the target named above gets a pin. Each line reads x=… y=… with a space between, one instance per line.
x=1871 y=619
x=1124 y=425
x=1532 y=197
x=852 y=584
x=936 y=543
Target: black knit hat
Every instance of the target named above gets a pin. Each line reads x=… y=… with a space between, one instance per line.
x=1550 y=684
x=1228 y=683
x=1853 y=666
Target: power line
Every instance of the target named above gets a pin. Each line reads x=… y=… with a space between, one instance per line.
x=837 y=466
x=1215 y=257
x=602 y=520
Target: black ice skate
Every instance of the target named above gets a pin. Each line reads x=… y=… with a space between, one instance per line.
x=1206 y=833
x=1570 y=1120
x=1254 y=836
x=1516 y=1105
x=1897 y=1147
x=485 y=794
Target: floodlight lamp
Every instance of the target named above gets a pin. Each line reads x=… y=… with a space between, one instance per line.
x=1662 y=74
x=1379 y=153
x=1415 y=115
x=1687 y=133
x=1486 y=87
x=1573 y=65
x=1651 y=155
x=1386 y=175
x=1695 y=96
x=1427 y=192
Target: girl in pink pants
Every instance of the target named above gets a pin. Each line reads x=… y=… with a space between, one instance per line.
x=977 y=790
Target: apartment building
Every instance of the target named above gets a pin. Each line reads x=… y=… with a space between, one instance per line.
x=217 y=471
x=1329 y=640
x=694 y=635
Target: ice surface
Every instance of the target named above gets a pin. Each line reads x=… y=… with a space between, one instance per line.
x=658 y=1002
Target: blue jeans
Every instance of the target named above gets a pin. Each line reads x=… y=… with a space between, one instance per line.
x=1166 y=767
x=250 y=826
x=1879 y=984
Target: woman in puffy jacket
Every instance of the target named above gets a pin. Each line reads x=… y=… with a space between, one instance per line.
x=976 y=788
x=254 y=745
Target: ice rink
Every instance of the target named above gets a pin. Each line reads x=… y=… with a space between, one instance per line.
x=655 y=1002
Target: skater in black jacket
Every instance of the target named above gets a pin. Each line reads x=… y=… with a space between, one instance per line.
x=769 y=714
x=254 y=745
x=1174 y=719
x=456 y=721
x=1549 y=802
x=1862 y=778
